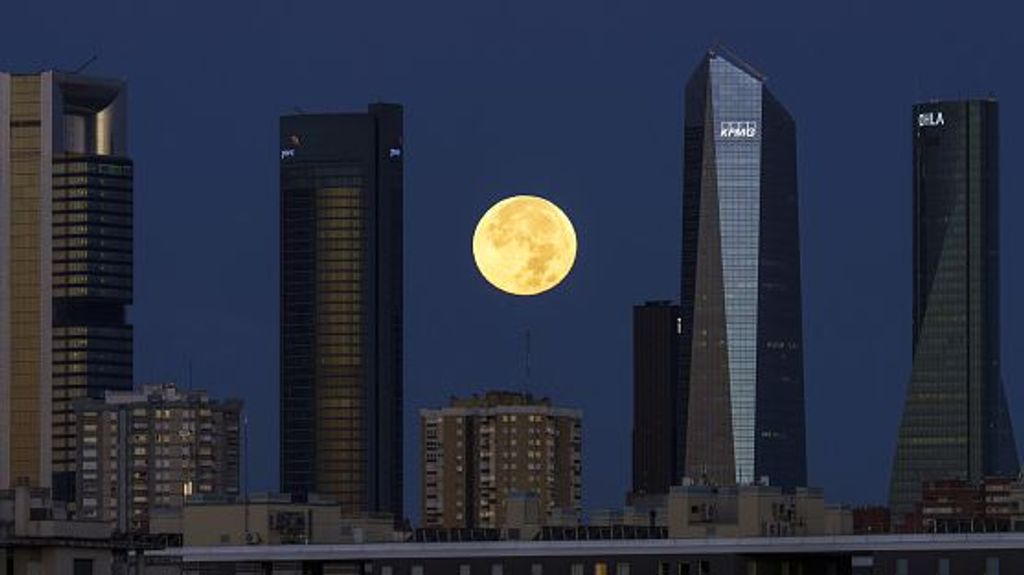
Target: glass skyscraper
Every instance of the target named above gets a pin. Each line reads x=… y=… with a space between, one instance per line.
x=956 y=424
x=341 y=308
x=65 y=266
x=741 y=358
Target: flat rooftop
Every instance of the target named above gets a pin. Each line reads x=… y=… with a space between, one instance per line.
x=846 y=544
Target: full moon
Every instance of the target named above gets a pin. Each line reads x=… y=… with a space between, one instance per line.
x=524 y=245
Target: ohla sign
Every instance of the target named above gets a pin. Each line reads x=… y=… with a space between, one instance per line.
x=742 y=130
x=930 y=119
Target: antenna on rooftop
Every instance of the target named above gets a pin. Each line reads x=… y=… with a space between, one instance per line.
x=86 y=64
x=526 y=384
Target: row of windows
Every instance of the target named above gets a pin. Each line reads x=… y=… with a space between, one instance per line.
x=77 y=167
x=92 y=205
x=92 y=182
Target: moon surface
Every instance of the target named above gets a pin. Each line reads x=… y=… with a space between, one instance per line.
x=524 y=245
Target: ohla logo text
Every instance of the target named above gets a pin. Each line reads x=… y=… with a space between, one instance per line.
x=930 y=119
x=738 y=130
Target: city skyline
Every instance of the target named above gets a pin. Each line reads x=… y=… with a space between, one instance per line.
x=194 y=288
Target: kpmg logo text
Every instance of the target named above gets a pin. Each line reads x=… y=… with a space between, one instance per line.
x=930 y=119
x=745 y=130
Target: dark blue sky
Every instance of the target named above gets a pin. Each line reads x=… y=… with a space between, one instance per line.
x=580 y=102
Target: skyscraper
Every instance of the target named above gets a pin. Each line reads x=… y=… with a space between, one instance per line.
x=65 y=265
x=742 y=338
x=659 y=406
x=956 y=424
x=341 y=307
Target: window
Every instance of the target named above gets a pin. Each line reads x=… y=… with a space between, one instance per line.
x=943 y=566
x=416 y=570
x=622 y=569
x=663 y=568
x=576 y=569
x=992 y=566
x=600 y=569
x=496 y=569
x=465 y=570
x=536 y=569
x=83 y=567
x=902 y=567
x=703 y=567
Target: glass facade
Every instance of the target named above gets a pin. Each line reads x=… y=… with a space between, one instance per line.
x=741 y=345
x=67 y=229
x=736 y=106
x=27 y=285
x=341 y=308
x=956 y=423
x=92 y=287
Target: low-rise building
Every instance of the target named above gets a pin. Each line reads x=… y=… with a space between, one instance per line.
x=956 y=506
x=753 y=511
x=268 y=519
x=36 y=537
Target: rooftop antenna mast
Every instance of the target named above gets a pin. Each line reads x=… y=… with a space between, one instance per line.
x=86 y=64
x=526 y=383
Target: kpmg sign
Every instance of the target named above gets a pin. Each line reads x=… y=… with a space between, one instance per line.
x=738 y=130
x=930 y=119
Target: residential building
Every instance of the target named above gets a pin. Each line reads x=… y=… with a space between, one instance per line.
x=480 y=451
x=154 y=447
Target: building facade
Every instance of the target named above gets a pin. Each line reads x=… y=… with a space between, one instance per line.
x=741 y=356
x=65 y=265
x=479 y=452
x=341 y=308
x=155 y=447
x=659 y=405
x=982 y=554
x=956 y=423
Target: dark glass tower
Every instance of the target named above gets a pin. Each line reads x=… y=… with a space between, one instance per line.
x=341 y=307
x=659 y=406
x=956 y=424
x=65 y=266
x=741 y=358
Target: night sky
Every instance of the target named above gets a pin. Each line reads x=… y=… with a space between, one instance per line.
x=579 y=102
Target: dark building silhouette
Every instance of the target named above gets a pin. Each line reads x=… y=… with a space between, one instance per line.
x=742 y=338
x=65 y=266
x=341 y=307
x=956 y=424
x=659 y=406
